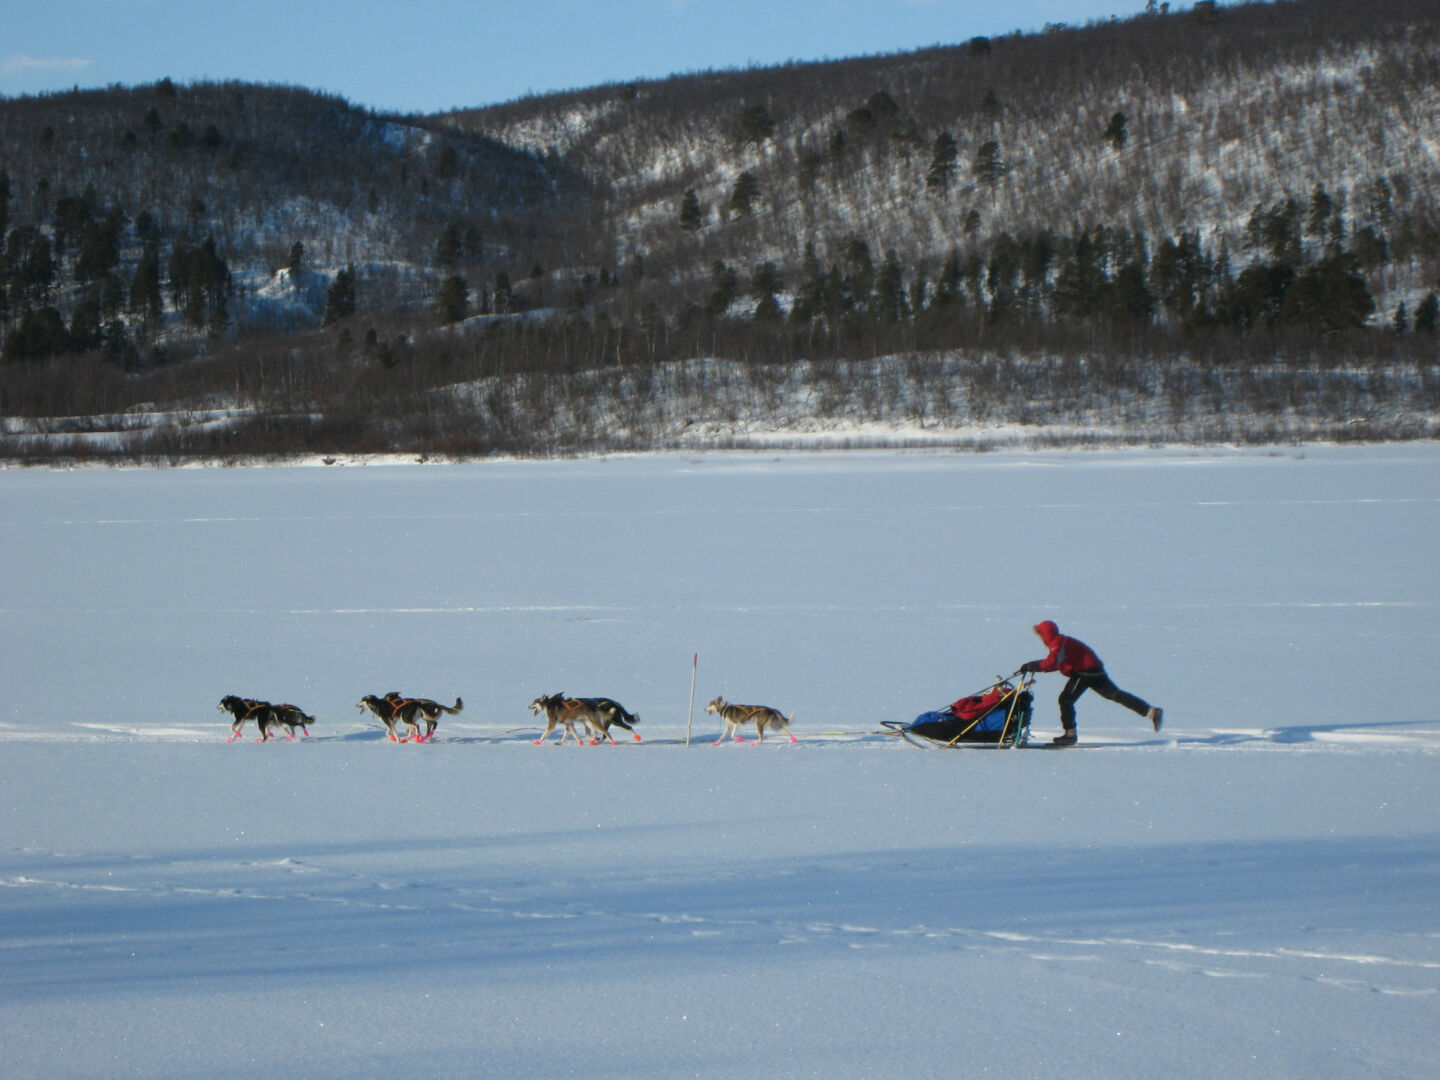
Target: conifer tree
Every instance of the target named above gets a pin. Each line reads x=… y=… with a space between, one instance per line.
x=691 y=215
x=746 y=191
x=86 y=327
x=1317 y=219
x=1115 y=133
x=112 y=296
x=1329 y=297
x=296 y=264
x=40 y=333
x=988 y=166
x=810 y=296
x=1082 y=285
x=756 y=124
x=810 y=162
x=146 y=302
x=882 y=105
x=765 y=282
x=891 y=303
x=725 y=287
x=1427 y=314
x=942 y=163
x=503 y=294
x=1130 y=299
x=453 y=300
x=860 y=279
x=209 y=284
x=340 y=300
x=474 y=245
x=32 y=262
x=948 y=287
x=450 y=246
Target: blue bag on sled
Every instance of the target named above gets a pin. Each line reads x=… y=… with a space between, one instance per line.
x=997 y=717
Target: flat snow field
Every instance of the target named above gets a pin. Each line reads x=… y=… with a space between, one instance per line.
x=1252 y=892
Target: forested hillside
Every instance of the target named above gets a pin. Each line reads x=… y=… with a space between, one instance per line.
x=1207 y=223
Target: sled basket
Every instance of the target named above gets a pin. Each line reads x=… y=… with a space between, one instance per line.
x=999 y=717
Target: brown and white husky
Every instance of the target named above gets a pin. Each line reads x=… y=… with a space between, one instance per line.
x=565 y=712
x=737 y=716
x=393 y=709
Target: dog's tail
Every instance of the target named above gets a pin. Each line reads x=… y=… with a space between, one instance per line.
x=453 y=709
x=612 y=712
x=628 y=720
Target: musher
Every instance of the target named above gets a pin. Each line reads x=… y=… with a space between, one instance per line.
x=1076 y=660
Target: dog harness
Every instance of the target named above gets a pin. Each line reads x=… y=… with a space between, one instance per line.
x=750 y=712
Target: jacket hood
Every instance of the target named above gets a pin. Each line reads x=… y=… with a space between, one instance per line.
x=1047 y=630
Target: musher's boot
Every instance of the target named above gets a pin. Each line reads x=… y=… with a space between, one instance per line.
x=1156 y=716
x=1065 y=739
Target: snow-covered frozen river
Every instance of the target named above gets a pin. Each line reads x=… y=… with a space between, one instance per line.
x=1249 y=893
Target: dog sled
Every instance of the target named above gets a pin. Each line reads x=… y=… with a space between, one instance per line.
x=998 y=717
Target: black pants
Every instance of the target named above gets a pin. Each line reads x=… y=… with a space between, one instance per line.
x=1101 y=684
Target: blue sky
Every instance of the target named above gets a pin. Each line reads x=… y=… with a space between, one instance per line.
x=431 y=55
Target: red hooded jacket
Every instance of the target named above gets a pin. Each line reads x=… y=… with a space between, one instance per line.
x=1068 y=655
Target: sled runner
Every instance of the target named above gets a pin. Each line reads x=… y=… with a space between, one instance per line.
x=998 y=716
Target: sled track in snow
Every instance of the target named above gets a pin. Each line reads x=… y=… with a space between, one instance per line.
x=1421 y=736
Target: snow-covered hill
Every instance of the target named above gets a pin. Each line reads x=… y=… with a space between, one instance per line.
x=1268 y=101
x=1212 y=223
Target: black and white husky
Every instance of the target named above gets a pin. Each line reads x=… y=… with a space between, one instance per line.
x=243 y=709
x=737 y=716
x=267 y=717
x=291 y=717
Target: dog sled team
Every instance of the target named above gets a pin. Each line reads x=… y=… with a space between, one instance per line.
x=584 y=719
x=999 y=716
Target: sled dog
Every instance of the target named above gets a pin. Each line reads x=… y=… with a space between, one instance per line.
x=243 y=709
x=563 y=712
x=292 y=716
x=611 y=712
x=737 y=716
x=394 y=708
x=267 y=717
